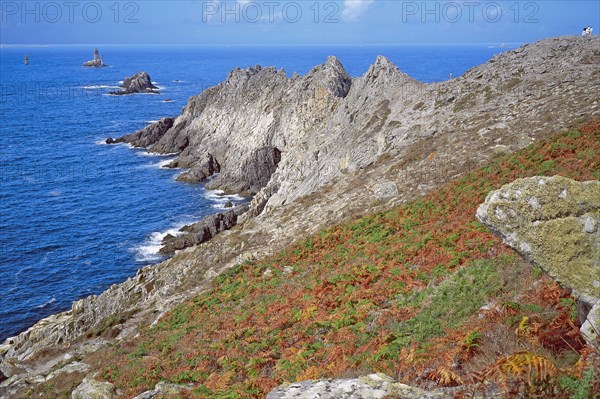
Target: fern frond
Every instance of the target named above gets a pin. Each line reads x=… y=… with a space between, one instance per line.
x=445 y=376
x=526 y=366
x=536 y=367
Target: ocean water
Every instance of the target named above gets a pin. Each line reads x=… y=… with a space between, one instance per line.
x=77 y=215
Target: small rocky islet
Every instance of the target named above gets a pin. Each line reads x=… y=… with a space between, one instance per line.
x=138 y=83
x=97 y=62
x=321 y=149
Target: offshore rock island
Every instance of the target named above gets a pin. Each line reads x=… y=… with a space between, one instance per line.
x=97 y=62
x=353 y=181
x=138 y=83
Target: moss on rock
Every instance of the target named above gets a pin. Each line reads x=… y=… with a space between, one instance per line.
x=554 y=223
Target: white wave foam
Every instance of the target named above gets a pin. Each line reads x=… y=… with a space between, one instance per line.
x=151 y=122
x=97 y=87
x=146 y=154
x=164 y=163
x=50 y=302
x=148 y=251
x=154 y=154
x=128 y=145
x=220 y=199
x=158 y=165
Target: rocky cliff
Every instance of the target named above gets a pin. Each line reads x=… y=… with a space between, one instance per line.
x=284 y=138
x=314 y=150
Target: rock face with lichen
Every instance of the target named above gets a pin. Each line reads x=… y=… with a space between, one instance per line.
x=92 y=389
x=374 y=386
x=554 y=222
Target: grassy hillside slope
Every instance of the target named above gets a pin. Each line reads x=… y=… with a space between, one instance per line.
x=422 y=292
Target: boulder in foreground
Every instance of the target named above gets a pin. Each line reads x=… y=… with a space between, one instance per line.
x=92 y=389
x=373 y=386
x=554 y=222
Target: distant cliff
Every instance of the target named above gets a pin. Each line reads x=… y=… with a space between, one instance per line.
x=282 y=138
x=317 y=149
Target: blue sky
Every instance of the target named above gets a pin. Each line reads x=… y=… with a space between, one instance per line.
x=289 y=22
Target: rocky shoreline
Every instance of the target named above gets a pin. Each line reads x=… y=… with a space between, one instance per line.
x=312 y=151
x=202 y=231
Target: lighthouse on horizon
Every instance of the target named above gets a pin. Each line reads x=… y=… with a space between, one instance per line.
x=97 y=61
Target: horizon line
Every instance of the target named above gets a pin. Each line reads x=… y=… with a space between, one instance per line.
x=5 y=45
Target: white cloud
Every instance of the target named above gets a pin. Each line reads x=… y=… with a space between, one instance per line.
x=354 y=9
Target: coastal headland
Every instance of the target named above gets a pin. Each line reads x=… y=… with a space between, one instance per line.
x=326 y=155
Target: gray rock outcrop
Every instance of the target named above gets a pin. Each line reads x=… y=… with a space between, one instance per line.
x=374 y=386
x=145 y=137
x=554 y=222
x=94 y=63
x=92 y=389
x=202 y=231
x=162 y=389
x=204 y=167
x=138 y=83
x=246 y=123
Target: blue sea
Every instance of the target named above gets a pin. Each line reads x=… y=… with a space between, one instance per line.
x=77 y=215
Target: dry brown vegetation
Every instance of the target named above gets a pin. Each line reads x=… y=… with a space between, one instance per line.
x=399 y=292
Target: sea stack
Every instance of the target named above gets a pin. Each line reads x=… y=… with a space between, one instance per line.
x=96 y=62
x=138 y=83
x=26 y=60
